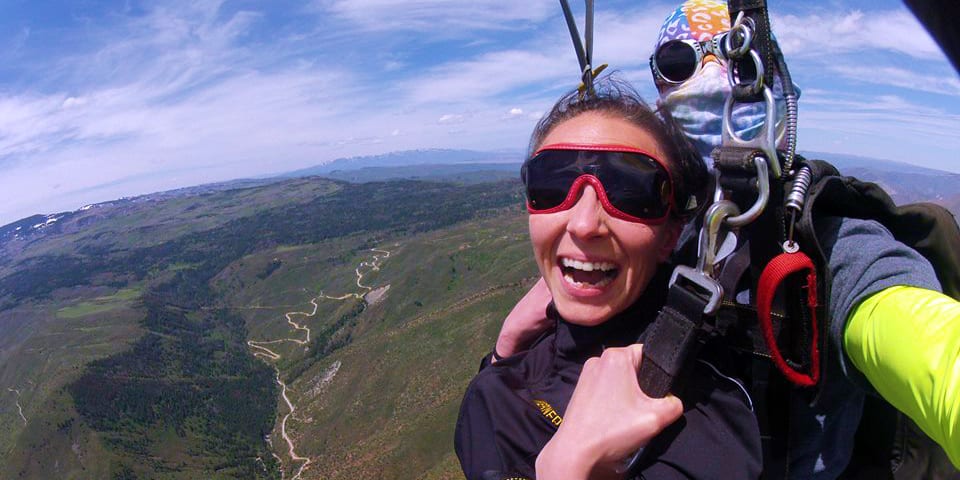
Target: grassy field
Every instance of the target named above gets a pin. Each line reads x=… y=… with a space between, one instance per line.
x=99 y=305
x=41 y=351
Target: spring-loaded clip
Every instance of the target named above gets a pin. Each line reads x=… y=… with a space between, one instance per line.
x=795 y=200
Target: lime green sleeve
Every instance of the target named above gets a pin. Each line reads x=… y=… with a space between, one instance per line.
x=906 y=341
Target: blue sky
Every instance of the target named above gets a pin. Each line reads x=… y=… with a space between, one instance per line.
x=100 y=100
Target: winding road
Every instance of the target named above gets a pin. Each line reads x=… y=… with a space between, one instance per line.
x=374 y=267
x=260 y=350
x=19 y=408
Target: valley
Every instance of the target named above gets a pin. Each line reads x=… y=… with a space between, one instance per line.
x=384 y=404
x=264 y=352
x=244 y=347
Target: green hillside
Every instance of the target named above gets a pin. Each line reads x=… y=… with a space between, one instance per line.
x=126 y=353
x=377 y=389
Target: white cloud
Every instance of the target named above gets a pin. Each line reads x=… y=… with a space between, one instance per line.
x=433 y=17
x=900 y=77
x=627 y=38
x=392 y=65
x=886 y=126
x=71 y=102
x=819 y=35
x=625 y=42
x=516 y=111
x=449 y=119
x=488 y=75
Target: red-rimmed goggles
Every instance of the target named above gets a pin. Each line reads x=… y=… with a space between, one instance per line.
x=630 y=183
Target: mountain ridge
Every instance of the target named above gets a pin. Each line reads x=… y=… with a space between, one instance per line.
x=458 y=164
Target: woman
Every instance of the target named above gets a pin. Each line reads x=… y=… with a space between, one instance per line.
x=608 y=185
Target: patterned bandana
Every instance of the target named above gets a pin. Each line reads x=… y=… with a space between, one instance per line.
x=696 y=20
x=697 y=104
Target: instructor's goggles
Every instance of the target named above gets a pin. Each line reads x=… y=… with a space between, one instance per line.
x=630 y=184
x=676 y=61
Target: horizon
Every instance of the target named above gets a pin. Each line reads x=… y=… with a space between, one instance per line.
x=99 y=102
x=281 y=176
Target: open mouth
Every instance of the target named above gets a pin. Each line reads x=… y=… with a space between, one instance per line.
x=588 y=274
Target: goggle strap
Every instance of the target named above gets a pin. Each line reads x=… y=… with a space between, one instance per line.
x=600 y=148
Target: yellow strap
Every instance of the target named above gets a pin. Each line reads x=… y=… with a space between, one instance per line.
x=906 y=341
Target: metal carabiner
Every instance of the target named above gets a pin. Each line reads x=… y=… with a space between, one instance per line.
x=713 y=220
x=742 y=26
x=763 y=195
x=743 y=29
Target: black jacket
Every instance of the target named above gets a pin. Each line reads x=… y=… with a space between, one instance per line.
x=513 y=407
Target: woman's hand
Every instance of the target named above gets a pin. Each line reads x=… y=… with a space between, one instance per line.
x=525 y=322
x=608 y=419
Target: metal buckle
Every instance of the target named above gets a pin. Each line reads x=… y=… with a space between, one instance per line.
x=700 y=279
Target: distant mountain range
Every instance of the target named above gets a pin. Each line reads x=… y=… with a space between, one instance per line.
x=15 y=235
x=905 y=182
x=408 y=158
x=845 y=161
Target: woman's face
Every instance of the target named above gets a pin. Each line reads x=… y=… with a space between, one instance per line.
x=576 y=248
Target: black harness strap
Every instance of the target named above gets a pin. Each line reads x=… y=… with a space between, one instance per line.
x=671 y=342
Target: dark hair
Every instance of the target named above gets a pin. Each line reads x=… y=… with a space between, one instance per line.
x=618 y=98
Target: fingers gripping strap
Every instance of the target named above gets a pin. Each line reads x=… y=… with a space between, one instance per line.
x=776 y=271
x=671 y=343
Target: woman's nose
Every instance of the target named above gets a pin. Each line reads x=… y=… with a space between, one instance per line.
x=587 y=216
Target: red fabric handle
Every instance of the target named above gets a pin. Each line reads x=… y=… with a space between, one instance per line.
x=774 y=273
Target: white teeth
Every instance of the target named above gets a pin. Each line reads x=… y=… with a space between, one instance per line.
x=588 y=266
x=602 y=283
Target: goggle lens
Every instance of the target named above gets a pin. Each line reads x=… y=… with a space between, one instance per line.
x=677 y=61
x=632 y=185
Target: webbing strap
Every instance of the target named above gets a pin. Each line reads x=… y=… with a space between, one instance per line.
x=671 y=342
x=774 y=273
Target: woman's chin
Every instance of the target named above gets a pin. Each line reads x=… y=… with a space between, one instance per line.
x=585 y=304
x=584 y=315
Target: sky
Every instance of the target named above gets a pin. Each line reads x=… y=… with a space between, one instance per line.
x=105 y=99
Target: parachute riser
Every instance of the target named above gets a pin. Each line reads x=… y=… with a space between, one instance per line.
x=583 y=48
